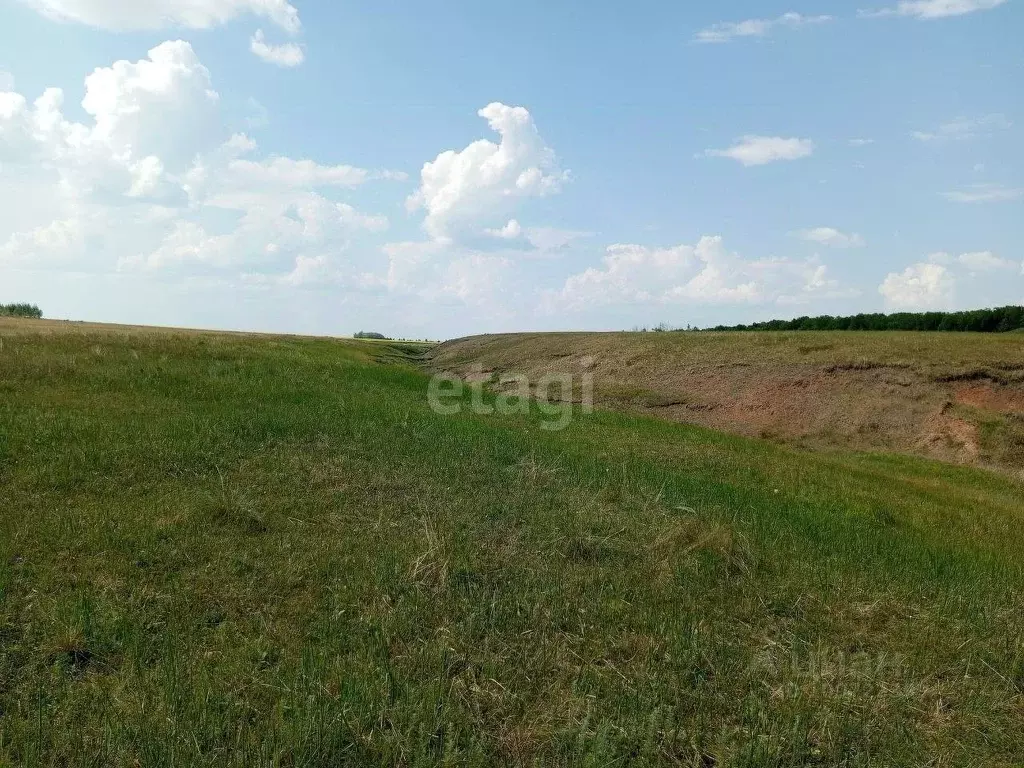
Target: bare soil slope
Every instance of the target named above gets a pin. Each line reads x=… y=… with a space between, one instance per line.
x=954 y=397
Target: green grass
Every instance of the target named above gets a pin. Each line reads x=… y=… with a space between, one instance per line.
x=231 y=550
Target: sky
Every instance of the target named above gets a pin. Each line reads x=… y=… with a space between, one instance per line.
x=435 y=170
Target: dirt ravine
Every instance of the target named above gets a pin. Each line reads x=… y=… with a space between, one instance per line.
x=954 y=397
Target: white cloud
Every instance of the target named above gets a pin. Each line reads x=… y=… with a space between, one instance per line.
x=861 y=142
x=476 y=279
x=831 y=237
x=410 y=264
x=985 y=193
x=551 y=239
x=761 y=150
x=147 y=120
x=146 y=176
x=724 y=32
x=511 y=231
x=288 y=172
x=464 y=191
x=440 y=273
x=816 y=285
x=963 y=128
x=984 y=261
x=919 y=287
x=474 y=273
x=935 y=9
x=161 y=14
x=151 y=181
x=536 y=241
x=60 y=240
x=285 y=55
x=705 y=273
x=272 y=236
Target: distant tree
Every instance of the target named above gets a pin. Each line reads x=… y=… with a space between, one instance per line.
x=372 y=335
x=21 y=310
x=999 y=320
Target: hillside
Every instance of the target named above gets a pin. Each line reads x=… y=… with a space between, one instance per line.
x=950 y=396
x=223 y=549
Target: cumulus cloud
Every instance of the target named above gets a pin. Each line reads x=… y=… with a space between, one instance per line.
x=831 y=237
x=146 y=121
x=511 y=231
x=151 y=181
x=284 y=55
x=163 y=105
x=984 y=193
x=705 y=273
x=984 y=261
x=920 y=286
x=160 y=14
x=465 y=191
x=935 y=9
x=724 y=32
x=761 y=150
x=963 y=128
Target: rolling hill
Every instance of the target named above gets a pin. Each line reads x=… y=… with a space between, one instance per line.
x=952 y=396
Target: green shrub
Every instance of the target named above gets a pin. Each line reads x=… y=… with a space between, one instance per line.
x=20 y=310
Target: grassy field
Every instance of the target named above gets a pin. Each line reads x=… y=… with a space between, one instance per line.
x=268 y=551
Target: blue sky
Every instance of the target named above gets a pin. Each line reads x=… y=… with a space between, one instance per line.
x=435 y=170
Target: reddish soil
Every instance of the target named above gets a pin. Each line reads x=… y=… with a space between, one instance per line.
x=1001 y=399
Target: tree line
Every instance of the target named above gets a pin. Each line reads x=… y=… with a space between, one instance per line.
x=21 y=310
x=1000 y=320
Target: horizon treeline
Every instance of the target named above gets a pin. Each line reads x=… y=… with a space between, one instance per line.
x=999 y=320
x=21 y=310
